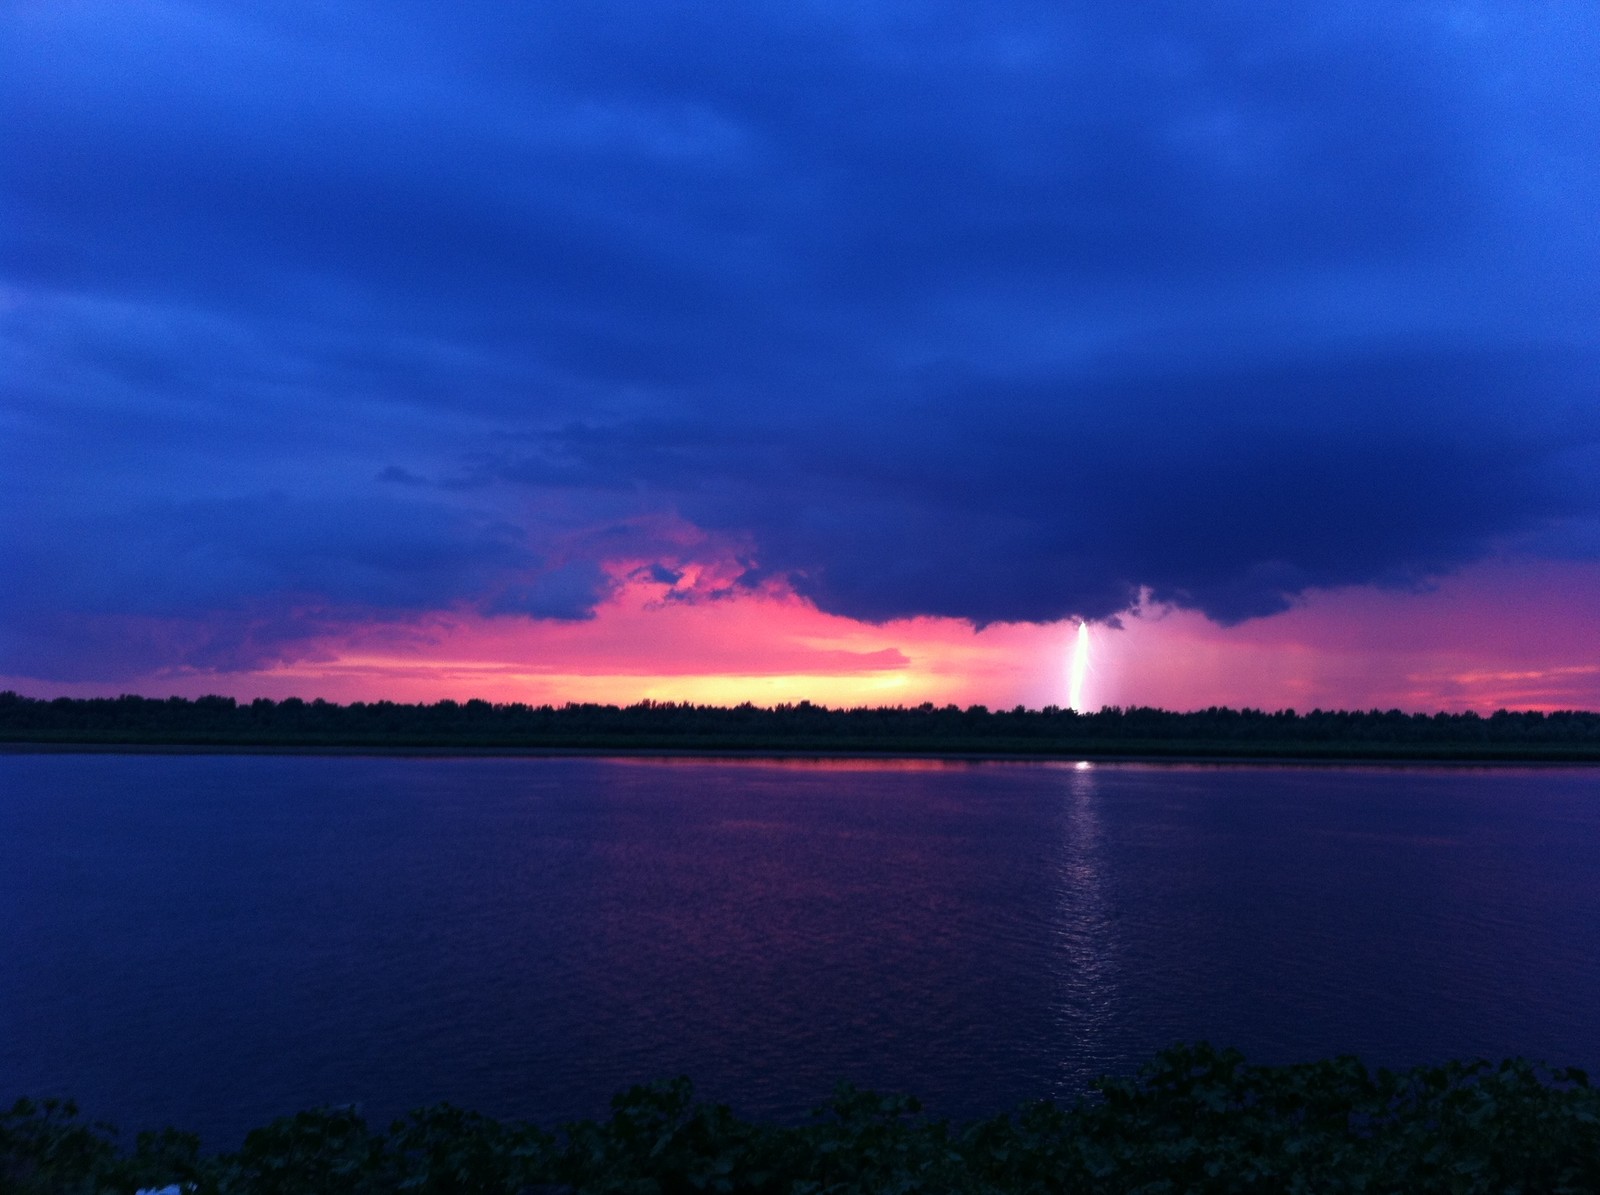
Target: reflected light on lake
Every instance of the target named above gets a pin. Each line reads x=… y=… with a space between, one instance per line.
x=1084 y=938
x=802 y=763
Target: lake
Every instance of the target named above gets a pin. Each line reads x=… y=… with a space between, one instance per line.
x=214 y=940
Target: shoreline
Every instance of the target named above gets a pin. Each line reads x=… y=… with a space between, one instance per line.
x=1175 y=758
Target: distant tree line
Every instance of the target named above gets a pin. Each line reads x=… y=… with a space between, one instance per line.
x=1134 y=730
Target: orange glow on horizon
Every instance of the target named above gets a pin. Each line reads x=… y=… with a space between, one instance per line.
x=767 y=647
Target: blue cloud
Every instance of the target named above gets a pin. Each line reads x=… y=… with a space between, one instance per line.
x=997 y=312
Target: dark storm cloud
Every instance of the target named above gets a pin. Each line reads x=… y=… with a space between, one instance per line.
x=997 y=311
x=236 y=581
x=1228 y=490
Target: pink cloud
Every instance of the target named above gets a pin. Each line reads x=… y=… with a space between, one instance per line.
x=1499 y=635
x=1523 y=636
x=701 y=640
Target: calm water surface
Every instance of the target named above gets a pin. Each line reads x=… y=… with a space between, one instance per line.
x=216 y=940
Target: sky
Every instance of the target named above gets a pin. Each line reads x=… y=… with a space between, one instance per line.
x=851 y=352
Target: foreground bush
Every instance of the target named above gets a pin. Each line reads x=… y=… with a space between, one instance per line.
x=1195 y=1120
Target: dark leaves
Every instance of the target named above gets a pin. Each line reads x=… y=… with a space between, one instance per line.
x=1197 y=1120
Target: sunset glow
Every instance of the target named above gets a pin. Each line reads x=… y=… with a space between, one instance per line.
x=1449 y=648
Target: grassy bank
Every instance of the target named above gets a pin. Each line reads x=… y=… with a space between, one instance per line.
x=1194 y=1120
x=1145 y=749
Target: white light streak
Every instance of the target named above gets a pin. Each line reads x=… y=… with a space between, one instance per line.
x=1079 y=669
